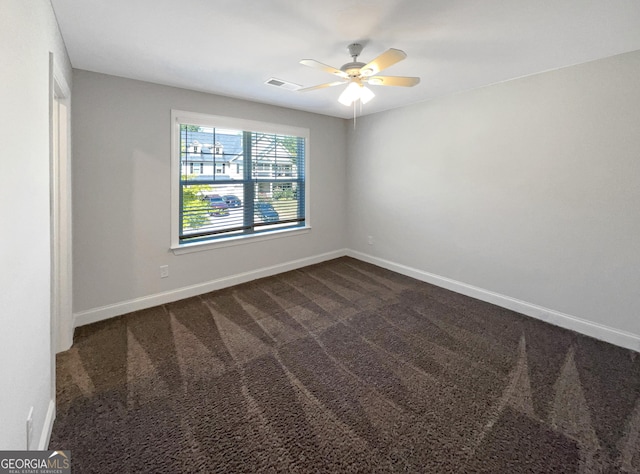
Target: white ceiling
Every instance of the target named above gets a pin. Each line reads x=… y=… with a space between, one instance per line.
x=231 y=47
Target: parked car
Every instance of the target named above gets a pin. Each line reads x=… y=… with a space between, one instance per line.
x=266 y=212
x=219 y=206
x=232 y=200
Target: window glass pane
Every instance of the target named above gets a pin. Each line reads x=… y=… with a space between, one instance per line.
x=212 y=209
x=208 y=154
x=218 y=199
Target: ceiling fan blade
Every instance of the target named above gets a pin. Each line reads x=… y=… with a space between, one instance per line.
x=318 y=65
x=393 y=81
x=386 y=59
x=321 y=86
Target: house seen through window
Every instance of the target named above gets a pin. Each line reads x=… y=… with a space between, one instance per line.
x=235 y=182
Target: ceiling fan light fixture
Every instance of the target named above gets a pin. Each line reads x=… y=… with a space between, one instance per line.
x=355 y=92
x=366 y=94
x=350 y=94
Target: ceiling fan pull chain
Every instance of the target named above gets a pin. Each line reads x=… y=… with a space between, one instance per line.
x=354 y=114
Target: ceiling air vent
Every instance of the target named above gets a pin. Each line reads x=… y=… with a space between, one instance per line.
x=290 y=86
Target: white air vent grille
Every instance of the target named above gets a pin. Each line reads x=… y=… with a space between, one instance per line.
x=290 y=86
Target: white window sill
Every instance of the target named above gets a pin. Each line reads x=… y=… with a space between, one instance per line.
x=237 y=240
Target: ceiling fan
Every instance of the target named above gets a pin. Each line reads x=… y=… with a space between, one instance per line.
x=358 y=74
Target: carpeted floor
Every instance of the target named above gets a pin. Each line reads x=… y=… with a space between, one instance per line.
x=344 y=367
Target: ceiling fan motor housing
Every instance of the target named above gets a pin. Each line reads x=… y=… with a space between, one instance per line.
x=353 y=68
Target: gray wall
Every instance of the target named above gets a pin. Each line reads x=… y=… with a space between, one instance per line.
x=28 y=33
x=529 y=189
x=121 y=201
x=526 y=189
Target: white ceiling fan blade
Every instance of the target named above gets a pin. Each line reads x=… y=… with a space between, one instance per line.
x=386 y=59
x=393 y=81
x=318 y=65
x=321 y=86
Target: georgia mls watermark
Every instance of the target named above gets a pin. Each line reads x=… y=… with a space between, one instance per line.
x=35 y=462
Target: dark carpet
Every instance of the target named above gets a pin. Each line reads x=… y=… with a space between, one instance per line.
x=343 y=367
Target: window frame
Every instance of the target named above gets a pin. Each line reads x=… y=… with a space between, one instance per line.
x=216 y=121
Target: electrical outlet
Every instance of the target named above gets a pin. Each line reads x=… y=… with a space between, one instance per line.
x=29 y=428
x=370 y=240
x=164 y=271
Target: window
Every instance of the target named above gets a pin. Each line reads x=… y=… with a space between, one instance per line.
x=253 y=184
x=197 y=169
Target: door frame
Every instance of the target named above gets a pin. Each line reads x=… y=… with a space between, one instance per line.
x=60 y=212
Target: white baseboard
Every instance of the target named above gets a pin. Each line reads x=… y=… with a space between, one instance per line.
x=582 y=326
x=47 y=428
x=117 y=309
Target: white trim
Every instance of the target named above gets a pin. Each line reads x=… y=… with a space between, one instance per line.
x=117 y=309
x=61 y=220
x=238 y=240
x=216 y=121
x=47 y=428
x=582 y=326
x=174 y=184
